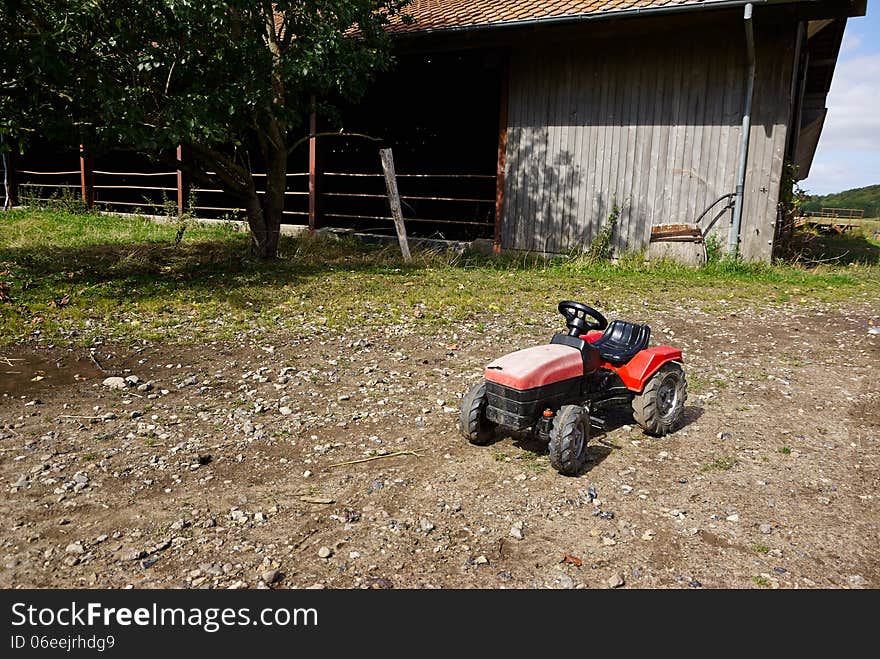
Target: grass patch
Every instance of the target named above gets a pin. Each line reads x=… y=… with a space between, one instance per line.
x=500 y=456
x=76 y=278
x=785 y=450
x=534 y=463
x=719 y=464
x=763 y=582
x=760 y=549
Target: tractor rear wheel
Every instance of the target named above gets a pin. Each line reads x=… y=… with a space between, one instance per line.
x=472 y=421
x=659 y=409
x=568 y=439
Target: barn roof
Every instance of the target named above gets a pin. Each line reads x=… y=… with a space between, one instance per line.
x=450 y=15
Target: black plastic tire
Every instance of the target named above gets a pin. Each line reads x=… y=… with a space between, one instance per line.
x=472 y=421
x=569 y=437
x=660 y=407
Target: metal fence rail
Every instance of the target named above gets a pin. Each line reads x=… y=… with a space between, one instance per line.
x=344 y=202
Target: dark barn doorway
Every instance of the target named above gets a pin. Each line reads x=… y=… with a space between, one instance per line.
x=439 y=113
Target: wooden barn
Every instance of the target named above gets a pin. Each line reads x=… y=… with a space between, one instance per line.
x=526 y=122
x=574 y=106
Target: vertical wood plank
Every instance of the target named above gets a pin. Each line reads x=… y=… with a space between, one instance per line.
x=87 y=177
x=313 y=169
x=387 y=159
x=502 y=157
x=182 y=182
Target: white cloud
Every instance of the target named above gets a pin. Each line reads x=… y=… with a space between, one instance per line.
x=848 y=155
x=834 y=170
x=853 y=121
x=851 y=42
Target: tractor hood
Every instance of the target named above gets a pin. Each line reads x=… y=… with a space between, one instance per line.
x=536 y=367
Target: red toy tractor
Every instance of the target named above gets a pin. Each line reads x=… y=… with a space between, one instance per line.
x=555 y=389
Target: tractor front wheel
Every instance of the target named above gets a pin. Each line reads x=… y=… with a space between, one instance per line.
x=568 y=439
x=659 y=409
x=472 y=421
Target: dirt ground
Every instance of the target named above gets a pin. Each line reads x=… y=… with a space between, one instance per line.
x=232 y=465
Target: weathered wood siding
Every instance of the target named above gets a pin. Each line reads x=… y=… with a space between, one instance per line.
x=653 y=126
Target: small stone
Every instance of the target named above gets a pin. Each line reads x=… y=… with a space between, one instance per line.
x=724 y=435
x=286 y=411
x=325 y=552
x=824 y=501
x=133 y=380
x=270 y=576
x=75 y=548
x=648 y=535
x=857 y=581
x=114 y=383
x=426 y=525
x=307 y=473
x=81 y=477
x=109 y=416
x=766 y=529
x=562 y=580
x=481 y=560
x=379 y=583
x=516 y=531
x=136 y=414
x=608 y=542
x=615 y=580
x=733 y=518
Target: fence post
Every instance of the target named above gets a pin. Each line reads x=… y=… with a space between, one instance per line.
x=313 y=173
x=11 y=191
x=394 y=201
x=87 y=177
x=182 y=183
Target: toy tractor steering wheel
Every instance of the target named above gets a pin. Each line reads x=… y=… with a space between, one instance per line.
x=579 y=318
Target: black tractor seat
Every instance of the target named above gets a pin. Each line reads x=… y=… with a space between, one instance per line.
x=622 y=340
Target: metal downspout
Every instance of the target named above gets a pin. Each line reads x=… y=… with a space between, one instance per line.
x=734 y=238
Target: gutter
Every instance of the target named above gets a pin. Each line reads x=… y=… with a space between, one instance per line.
x=595 y=16
x=734 y=236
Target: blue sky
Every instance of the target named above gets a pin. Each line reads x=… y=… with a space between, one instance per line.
x=849 y=148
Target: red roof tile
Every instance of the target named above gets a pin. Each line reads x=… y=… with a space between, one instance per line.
x=436 y=15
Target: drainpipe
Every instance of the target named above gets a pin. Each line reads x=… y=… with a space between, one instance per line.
x=733 y=240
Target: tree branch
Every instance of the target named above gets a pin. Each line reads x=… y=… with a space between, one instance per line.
x=226 y=170
x=302 y=140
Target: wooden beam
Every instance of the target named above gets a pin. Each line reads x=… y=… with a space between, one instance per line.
x=11 y=179
x=313 y=169
x=394 y=201
x=87 y=177
x=502 y=156
x=183 y=183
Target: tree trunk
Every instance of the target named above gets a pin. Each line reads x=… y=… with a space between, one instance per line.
x=265 y=215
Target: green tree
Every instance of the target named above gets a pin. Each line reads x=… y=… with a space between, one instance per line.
x=227 y=80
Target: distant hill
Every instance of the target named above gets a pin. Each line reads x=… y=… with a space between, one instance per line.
x=867 y=198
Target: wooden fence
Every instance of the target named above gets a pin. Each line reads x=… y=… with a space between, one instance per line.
x=457 y=202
